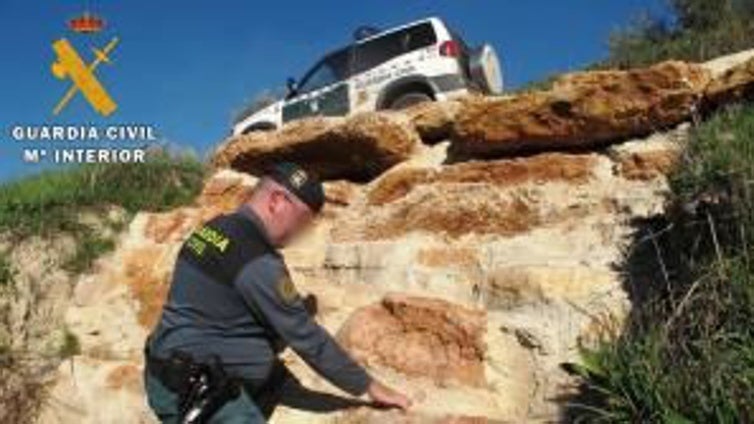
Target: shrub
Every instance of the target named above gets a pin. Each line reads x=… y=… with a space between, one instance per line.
x=687 y=354
x=701 y=30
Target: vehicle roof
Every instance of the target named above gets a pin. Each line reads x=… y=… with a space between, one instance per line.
x=342 y=49
x=398 y=28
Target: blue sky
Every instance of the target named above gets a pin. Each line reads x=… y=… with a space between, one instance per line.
x=186 y=66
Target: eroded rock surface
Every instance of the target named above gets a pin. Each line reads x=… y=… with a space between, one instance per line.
x=734 y=84
x=357 y=148
x=437 y=339
x=581 y=111
x=464 y=282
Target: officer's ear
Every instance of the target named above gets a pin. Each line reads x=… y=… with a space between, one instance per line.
x=279 y=202
x=275 y=203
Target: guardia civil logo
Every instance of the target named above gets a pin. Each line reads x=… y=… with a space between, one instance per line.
x=81 y=76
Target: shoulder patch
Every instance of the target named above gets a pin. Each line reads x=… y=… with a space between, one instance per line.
x=286 y=289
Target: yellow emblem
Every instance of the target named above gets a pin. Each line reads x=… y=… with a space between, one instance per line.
x=70 y=65
x=286 y=289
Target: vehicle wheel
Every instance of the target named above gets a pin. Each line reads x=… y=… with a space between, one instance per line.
x=409 y=99
x=484 y=67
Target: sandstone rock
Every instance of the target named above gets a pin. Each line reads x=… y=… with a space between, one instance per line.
x=225 y=190
x=513 y=286
x=644 y=165
x=77 y=396
x=371 y=416
x=453 y=210
x=433 y=120
x=499 y=198
x=357 y=148
x=340 y=193
x=652 y=157
x=437 y=257
x=538 y=169
x=582 y=110
x=735 y=84
x=722 y=64
x=419 y=337
x=396 y=184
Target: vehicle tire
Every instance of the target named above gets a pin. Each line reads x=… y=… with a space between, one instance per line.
x=409 y=99
x=485 y=70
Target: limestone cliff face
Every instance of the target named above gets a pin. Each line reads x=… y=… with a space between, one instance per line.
x=447 y=263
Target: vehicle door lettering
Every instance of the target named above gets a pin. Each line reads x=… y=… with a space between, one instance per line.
x=405 y=71
x=377 y=79
x=328 y=101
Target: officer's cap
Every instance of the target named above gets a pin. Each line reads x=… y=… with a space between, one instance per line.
x=301 y=183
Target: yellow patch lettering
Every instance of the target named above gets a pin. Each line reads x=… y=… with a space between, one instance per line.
x=214 y=237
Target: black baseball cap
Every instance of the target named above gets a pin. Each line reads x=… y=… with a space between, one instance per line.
x=298 y=181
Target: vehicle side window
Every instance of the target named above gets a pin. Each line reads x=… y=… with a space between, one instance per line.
x=383 y=48
x=330 y=70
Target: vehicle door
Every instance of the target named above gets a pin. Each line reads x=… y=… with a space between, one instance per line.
x=324 y=89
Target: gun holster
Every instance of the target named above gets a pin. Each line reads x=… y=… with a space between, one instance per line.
x=202 y=387
x=208 y=387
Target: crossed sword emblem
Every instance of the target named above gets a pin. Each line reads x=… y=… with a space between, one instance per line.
x=70 y=65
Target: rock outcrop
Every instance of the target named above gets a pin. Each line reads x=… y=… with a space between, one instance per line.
x=453 y=271
x=734 y=84
x=582 y=110
x=358 y=148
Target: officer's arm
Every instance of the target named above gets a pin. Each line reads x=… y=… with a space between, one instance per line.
x=263 y=286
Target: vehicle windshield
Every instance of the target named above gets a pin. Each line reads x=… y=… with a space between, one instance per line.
x=329 y=70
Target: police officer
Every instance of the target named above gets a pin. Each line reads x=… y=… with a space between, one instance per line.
x=232 y=302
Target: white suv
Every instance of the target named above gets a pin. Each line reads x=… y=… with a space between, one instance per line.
x=392 y=69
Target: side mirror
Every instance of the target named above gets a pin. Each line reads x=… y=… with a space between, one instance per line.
x=292 y=86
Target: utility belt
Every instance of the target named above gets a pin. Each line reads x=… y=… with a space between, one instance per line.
x=202 y=387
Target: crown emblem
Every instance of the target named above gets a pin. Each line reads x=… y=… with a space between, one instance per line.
x=87 y=23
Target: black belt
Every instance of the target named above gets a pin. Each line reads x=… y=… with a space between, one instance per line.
x=174 y=372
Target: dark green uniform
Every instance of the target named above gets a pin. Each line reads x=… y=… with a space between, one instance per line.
x=231 y=295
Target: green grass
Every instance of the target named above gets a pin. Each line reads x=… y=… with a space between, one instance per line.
x=687 y=355
x=50 y=201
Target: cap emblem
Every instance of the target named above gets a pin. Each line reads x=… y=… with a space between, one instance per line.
x=298 y=178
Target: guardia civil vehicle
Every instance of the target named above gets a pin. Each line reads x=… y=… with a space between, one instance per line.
x=391 y=69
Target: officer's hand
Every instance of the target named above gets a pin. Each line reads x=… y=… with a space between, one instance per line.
x=386 y=397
